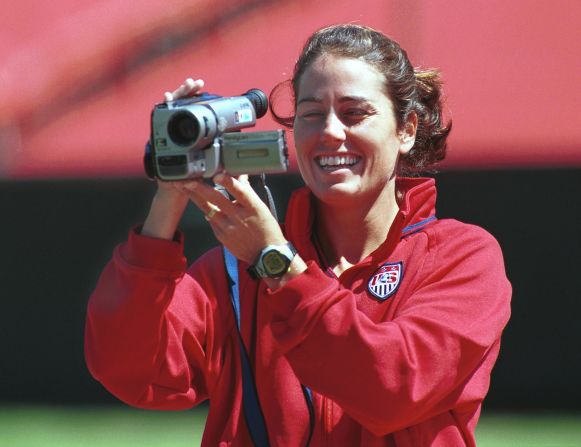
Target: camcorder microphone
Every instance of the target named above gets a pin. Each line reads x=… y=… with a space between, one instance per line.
x=201 y=136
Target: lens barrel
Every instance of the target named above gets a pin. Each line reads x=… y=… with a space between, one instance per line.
x=183 y=128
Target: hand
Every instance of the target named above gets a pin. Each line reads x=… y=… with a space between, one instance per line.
x=188 y=88
x=244 y=225
x=171 y=198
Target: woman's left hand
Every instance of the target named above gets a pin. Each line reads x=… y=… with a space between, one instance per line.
x=245 y=224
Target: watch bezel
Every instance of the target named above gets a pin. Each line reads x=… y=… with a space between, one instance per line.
x=285 y=253
x=281 y=259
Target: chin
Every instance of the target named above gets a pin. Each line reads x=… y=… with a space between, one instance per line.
x=337 y=194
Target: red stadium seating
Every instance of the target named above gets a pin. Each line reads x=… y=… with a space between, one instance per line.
x=78 y=78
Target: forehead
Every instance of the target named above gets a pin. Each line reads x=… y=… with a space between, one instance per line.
x=340 y=76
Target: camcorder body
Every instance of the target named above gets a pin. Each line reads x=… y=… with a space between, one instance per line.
x=201 y=136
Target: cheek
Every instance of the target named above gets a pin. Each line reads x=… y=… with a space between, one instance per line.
x=303 y=160
x=299 y=143
x=297 y=135
x=304 y=167
x=303 y=139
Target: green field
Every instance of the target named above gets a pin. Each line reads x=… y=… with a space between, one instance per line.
x=124 y=427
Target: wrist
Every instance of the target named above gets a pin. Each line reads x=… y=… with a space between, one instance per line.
x=277 y=264
x=164 y=215
x=297 y=267
x=273 y=261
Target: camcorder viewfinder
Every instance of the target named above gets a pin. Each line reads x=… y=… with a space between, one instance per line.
x=201 y=136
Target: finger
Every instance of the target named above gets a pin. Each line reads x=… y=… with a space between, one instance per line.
x=188 y=88
x=203 y=193
x=184 y=186
x=183 y=89
x=239 y=189
x=208 y=208
x=212 y=211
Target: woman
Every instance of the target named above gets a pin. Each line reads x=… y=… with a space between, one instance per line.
x=384 y=327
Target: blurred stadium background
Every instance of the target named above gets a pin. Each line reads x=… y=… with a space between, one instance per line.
x=78 y=79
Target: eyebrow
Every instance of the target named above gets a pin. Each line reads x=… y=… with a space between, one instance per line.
x=341 y=100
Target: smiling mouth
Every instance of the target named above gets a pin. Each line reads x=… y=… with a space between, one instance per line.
x=333 y=162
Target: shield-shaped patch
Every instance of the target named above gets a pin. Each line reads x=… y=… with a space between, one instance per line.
x=386 y=280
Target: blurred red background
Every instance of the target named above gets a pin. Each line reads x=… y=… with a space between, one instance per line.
x=78 y=78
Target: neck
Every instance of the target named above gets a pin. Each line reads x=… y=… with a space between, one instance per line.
x=348 y=234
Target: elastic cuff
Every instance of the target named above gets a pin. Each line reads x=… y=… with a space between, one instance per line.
x=301 y=291
x=153 y=253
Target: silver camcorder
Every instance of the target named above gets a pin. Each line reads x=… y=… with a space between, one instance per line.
x=200 y=137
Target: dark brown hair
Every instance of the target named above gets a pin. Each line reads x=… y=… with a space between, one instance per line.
x=410 y=90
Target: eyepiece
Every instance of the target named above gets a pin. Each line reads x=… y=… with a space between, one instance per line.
x=183 y=128
x=259 y=100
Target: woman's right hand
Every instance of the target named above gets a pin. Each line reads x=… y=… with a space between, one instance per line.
x=188 y=88
x=171 y=198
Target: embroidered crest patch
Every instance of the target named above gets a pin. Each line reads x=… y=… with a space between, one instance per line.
x=386 y=280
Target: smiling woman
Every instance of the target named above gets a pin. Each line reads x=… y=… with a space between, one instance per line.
x=364 y=321
x=411 y=91
x=343 y=113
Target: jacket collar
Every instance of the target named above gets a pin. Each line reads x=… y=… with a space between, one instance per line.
x=418 y=202
x=417 y=208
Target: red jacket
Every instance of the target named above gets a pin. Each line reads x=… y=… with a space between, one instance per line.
x=398 y=351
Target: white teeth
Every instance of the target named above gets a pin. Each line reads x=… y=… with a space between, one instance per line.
x=333 y=161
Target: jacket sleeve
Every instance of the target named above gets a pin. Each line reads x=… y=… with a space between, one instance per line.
x=393 y=374
x=149 y=327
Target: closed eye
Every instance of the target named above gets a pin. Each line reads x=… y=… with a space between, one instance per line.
x=356 y=112
x=356 y=115
x=312 y=114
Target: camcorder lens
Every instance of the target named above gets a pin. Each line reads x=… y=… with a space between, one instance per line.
x=183 y=128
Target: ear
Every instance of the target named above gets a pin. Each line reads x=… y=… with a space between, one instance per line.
x=407 y=135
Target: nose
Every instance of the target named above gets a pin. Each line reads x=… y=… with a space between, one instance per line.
x=334 y=129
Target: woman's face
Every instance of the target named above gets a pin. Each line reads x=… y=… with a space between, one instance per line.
x=345 y=131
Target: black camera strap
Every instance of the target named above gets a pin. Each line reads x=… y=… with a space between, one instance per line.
x=258 y=183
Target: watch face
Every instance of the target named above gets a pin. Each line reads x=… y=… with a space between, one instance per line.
x=275 y=263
